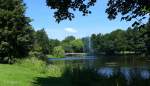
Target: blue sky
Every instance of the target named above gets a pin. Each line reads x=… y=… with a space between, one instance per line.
x=96 y=22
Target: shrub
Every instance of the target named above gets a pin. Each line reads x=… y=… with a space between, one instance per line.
x=39 y=55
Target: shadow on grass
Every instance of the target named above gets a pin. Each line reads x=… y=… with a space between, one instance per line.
x=51 y=81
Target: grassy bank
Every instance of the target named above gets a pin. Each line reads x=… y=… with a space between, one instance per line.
x=52 y=56
x=25 y=72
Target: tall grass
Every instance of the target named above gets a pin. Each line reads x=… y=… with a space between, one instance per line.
x=33 y=63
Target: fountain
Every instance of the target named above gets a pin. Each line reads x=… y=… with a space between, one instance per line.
x=88 y=46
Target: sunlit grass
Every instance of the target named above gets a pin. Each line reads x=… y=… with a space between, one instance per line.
x=14 y=75
x=50 y=56
x=24 y=72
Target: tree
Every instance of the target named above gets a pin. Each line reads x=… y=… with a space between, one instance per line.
x=67 y=47
x=69 y=39
x=129 y=9
x=66 y=44
x=77 y=45
x=97 y=43
x=139 y=45
x=130 y=39
x=119 y=38
x=42 y=42
x=102 y=44
x=58 y=51
x=15 y=31
x=64 y=8
x=71 y=44
x=107 y=45
x=146 y=37
x=53 y=43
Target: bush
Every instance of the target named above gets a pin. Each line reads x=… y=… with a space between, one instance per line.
x=58 y=51
x=39 y=55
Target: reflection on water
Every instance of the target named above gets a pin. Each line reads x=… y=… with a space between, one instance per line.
x=106 y=71
x=130 y=69
x=127 y=72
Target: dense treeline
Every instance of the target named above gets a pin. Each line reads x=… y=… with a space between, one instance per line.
x=44 y=45
x=133 y=40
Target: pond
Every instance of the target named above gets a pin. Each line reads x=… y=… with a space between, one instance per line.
x=131 y=69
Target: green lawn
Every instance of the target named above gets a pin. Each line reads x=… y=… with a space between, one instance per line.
x=14 y=75
x=30 y=72
x=52 y=56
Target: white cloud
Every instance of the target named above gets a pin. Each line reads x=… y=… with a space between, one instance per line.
x=70 y=30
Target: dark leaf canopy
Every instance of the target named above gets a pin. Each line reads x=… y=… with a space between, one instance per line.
x=64 y=8
x=129 y=9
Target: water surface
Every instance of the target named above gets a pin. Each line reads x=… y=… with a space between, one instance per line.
x=130 y=68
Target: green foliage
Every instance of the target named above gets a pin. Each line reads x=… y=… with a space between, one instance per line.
x=131 y=40
x=16 y=34
x=33 y=63
x=129 y=9
x=58 y=51
x=71 y=44
x=119 y=39
x=69 y=39
x=64 y=8
x=66 y=44
x=146 y=37
x=77 y=45
x=53 y=43
x=102 y=43
x=67 y=47
x=41 y=43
